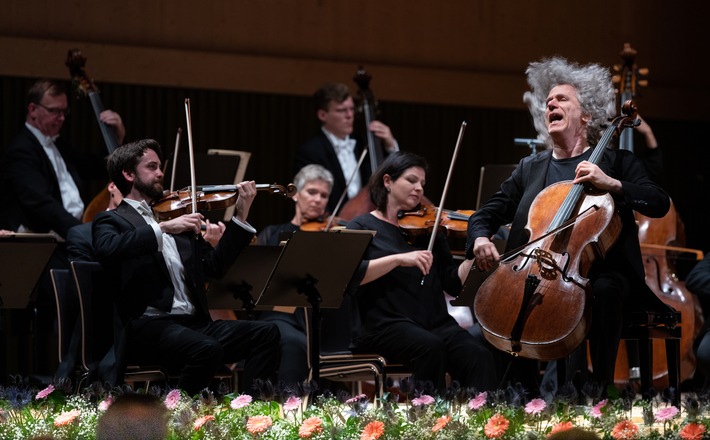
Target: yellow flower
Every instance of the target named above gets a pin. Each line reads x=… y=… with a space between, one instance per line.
x=496 y=426
x=258 y=424
x=440 y=423
x=625 y=430
x=373 y=430
x=310 y=426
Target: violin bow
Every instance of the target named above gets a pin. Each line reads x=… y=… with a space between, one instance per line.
x=437 y=220
x=193 y=185
x=175 y=156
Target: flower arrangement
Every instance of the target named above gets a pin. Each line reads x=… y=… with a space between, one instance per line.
x=27 y=413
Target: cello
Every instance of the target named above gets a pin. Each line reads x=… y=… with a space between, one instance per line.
x=661 y=240
x=85 y=87
x=570 y=225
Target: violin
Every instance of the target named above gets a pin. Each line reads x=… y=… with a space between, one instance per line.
x=421 y=221
x=208 y=198
x=323 y=224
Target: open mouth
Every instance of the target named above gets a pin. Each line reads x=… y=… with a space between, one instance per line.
x=554 y=117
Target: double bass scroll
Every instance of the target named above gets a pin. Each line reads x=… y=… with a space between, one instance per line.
x=86 y=87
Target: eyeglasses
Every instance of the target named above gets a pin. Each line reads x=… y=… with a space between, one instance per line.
x=55 y=111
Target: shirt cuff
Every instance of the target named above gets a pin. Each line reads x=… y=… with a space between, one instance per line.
x=394 y=148
x=243 y=225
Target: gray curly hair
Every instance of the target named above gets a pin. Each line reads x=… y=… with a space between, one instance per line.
x=594 y=91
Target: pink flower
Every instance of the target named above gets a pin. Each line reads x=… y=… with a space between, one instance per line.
x=240 y=401
x=667 y=413
x=596 y=410
x=104 y=405
x=45 y=392
x=310 y=426
x=535 y=406
x=200 y=422
x=496 y=426
x=440 y=423
x=66 y=418
x=625 y=430
x=478 y=401
x=356 y=398
x=422 y=400
x=692 y=431
x=292 y=403
x=258 y=424
x=172 y=399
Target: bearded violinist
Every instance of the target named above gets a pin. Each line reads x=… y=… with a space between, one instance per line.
x=570 y=104
x=158 y=271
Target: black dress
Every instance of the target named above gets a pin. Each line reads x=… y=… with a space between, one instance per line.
x=408 y=322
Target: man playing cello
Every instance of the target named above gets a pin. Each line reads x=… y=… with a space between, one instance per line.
x=570 y=104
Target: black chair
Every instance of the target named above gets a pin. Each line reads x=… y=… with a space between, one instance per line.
x=97 y=313
x=68 y=324
x=339 y=363
x=658 y=323
x=97 y=323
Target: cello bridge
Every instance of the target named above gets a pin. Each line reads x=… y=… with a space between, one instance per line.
x=548 y=266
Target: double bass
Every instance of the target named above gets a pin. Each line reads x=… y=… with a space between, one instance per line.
x=661 y=240
x=367 y=106
x=85 y=87
x=361 y=203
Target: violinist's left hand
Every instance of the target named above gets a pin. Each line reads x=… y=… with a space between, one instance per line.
x=110 y=117
x=383 y=132
x=213 y=232
x=591 y=173
x=247 y=192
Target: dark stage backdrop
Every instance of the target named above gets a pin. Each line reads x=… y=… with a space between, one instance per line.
x=272 y=127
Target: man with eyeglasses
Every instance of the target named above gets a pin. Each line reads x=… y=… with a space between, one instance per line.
x=41 y=182
x=42 y=193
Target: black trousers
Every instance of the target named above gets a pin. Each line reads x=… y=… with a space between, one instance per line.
x=198 y=349
x=431 y=353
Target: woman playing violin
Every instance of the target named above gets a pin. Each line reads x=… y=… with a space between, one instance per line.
x=400 y=317
x=570 y=104
x=313 y=185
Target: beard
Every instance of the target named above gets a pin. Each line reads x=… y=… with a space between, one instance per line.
x=152 y=191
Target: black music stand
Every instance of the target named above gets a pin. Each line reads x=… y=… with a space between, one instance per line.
x=23 y=258
x=315 y=269
x=247 y=277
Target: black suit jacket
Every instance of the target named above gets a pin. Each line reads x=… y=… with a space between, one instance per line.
x=319 y=150
x=512 y=204
x=31 y=195
x=127 y=248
